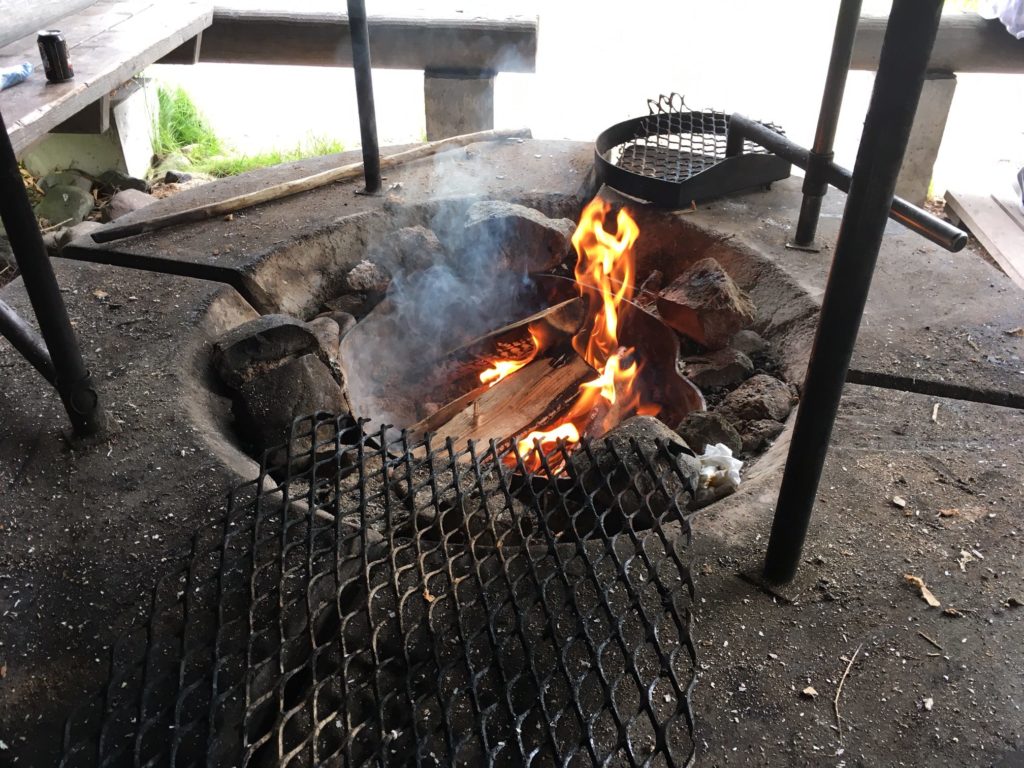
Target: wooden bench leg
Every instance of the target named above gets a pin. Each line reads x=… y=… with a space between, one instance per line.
x=458 y=102
x=926 y=136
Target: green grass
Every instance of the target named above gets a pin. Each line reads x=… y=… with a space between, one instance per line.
x=181 y=129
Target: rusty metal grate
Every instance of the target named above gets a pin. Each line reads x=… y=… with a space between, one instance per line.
x=376 y=602
x=674 y=143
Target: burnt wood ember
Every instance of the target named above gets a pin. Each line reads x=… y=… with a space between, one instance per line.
x=474 y=633
x=705 y=305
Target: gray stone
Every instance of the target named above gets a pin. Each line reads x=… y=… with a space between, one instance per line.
x=525 y=240
x=64 y=204
x=177 y=177
x=705 y=305
x=112 y=181
x=82 y=229
x=328 y=335
x=749 y=343
x=620 y=479
x=68 y=178
x=258 y=345
x=345 y=321
x=758 y=434
x=722 y=368
x=270 y=402
x=418 y=248
x=126 y=201
x=6 y=253
x=358 y=305
x=759 y=397
x=703 y=428
x=368 y=277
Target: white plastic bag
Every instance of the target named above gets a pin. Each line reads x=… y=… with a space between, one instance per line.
x=1010 y=12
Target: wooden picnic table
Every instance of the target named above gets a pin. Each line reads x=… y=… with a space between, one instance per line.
x=109 y=42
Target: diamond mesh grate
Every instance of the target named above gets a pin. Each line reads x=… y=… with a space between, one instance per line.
x=376 y=602
x=674 y=143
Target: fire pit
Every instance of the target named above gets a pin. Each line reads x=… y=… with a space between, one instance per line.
x=481 y=320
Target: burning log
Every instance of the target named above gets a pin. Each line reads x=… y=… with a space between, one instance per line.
x=537 y=391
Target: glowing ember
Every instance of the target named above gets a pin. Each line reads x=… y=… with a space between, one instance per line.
x=502 y=369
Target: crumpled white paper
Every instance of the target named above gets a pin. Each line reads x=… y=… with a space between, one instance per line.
x=718 y=467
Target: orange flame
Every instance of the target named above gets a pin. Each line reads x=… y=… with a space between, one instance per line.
x=502 y=369
x=604 y=274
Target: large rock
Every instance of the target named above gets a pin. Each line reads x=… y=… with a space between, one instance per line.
x=749 y=343
x=524 y=239
x=258 y=345
x=270 y=402
x=68 y=178
x=722 y=368
x=758 y=434
x=705 y=305
x=112 y=181
x=759 y=397
x=64 y=204
x=126 y=201
x=417 y=248
x=328 y=334
x=703 y=428
x=368 y=277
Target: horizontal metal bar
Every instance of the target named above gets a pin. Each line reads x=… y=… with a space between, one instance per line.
x=923 y=223
x=24 y=338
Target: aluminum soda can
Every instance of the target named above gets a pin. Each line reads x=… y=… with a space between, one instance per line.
x=53 y=49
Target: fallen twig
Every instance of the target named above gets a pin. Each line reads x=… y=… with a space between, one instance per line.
x=295 y=186
x=931 y=640
x=839 y=691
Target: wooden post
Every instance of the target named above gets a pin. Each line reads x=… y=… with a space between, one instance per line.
x=926 y=137
x=458 y=102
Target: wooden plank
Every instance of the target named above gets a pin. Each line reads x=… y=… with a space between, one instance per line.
x=532 y=394
x=965 y=43
x=109 y=43
x=23 y=18
x=94 y=119
x=1012 y=209
x=321 y=38
x=186 y=53
x=995 y=230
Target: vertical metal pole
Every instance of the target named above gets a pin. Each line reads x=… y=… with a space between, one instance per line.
x=72 y=379
x=815 y=181
x=901 y=70
x=364 y=93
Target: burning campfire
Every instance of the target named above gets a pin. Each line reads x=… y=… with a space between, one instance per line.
x=605 y=270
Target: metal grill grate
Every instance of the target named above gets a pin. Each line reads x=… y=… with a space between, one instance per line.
x=674 y=143
x=387 y=603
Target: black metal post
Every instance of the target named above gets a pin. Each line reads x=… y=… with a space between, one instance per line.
x=909 y=215
x=24 y=339
x=901 y=69
x=71 y=378
x=815 y=181
x=364 y=94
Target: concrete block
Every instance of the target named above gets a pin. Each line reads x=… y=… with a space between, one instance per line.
x=458 y=103
x=926 y=137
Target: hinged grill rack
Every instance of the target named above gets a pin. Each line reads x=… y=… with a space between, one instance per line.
x=676 y=156
x=387 y=603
